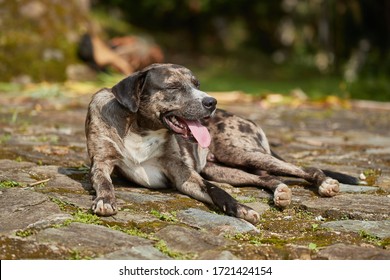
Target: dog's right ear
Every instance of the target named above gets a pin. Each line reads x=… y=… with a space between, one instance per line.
x=128 y=91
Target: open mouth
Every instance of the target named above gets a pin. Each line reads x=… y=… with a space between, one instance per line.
x=188 y=129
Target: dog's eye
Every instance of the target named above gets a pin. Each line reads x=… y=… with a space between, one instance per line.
x=173 y=86
x=196 y=83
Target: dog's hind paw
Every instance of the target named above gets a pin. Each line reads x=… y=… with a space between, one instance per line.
x=282 y=195
x=329 y=187
x=248 y=214
x=103 y=207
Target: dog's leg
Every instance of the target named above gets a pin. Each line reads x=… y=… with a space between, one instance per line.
x=105 y=203
x=260 y=161
x=240 y=143
x=191 y=183
x=238 y=177
x=229 y=205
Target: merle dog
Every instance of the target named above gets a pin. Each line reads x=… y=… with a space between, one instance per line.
x=160 y=130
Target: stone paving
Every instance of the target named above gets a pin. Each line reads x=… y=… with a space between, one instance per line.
x=45 y=194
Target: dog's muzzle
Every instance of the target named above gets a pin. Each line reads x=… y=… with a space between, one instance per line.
x=191 y=128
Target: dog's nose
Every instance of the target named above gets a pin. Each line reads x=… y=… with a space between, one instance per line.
x=209 y=102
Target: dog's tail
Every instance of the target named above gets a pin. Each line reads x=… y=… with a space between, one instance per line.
x=342 y=178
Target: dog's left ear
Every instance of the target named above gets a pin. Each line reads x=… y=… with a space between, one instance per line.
x=128 y=91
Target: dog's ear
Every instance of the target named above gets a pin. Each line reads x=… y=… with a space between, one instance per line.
x=128 y=91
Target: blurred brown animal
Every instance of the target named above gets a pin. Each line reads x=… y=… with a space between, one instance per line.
x=124 y=54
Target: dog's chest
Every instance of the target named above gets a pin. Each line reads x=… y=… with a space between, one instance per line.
x=141 y=159
x=143 y=148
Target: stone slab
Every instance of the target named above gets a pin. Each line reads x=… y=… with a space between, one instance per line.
x=90 y=239
x=357 y=189
x=214 y=222
x=142 y=197
x=7 y=164
x=23 y=207
x=353 y=252
x=141 y=252
x=189 y=240
x=352 y=206
x=379 y=229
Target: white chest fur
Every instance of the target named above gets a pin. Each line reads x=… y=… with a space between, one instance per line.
x=140 y=162
x=142 y=148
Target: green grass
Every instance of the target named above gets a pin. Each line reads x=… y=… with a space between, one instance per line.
x=314 y=88
x=260 y=77
x=256 y=76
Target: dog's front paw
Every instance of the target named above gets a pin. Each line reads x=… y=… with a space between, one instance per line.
x=104 y=207
x=248 y=214
x=329 y=187
x=282 y=195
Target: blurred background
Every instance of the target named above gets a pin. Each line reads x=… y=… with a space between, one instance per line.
x=311 y=48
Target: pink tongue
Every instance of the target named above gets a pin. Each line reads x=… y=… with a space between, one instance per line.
x=200 y=133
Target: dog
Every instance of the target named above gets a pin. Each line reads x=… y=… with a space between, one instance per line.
x=160 y=130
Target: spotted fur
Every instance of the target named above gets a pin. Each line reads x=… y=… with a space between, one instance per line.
x=127 y=128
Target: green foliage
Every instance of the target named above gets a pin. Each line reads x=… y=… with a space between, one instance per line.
x=237 y=43
x=371 y=88
x=314 y=227
x=6 y=184
x=313 y=247
x=24 y=233
x=5 y=138
x=9 y=87
x=168 y=217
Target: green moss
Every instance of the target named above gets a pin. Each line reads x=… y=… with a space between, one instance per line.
x=39 y=46
x=24 y=233
x=385 y=243
x=246 y=199
x=86 y=218
x=313 y=247
x=370 y=238
x=5 y=138
x=131 y=231
x=21 y=248
x=163 y=248
x=257 y=239
x=77 y=255
x=372 y=176
x=168 y=217
x=6 y=184
x=19 y=159
x=61 y=204
x=294 y=226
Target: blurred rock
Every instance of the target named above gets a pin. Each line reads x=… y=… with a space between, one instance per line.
x=33 y=10
x=39 y=38
x=79 y=72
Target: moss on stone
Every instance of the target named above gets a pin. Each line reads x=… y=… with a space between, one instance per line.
x=38 y=39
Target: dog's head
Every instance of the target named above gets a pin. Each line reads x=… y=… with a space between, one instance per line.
x=168 y=96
